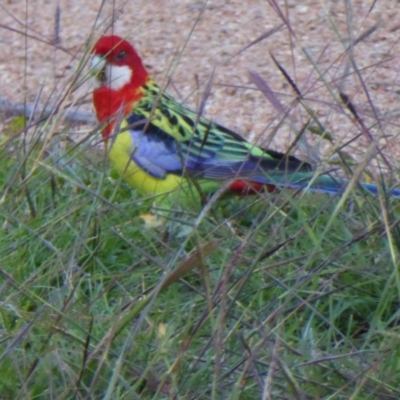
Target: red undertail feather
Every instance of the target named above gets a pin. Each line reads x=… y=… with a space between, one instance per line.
x=245 y=188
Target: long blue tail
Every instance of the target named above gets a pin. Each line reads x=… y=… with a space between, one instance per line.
x=323 y=184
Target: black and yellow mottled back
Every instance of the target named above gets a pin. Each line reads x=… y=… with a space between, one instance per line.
x=170 y=138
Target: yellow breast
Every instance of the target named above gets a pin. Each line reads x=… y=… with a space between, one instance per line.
x=121 y=158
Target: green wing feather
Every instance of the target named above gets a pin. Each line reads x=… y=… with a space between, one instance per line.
x=199 y=137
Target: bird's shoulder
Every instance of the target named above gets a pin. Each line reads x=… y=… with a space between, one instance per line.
x=184 y=125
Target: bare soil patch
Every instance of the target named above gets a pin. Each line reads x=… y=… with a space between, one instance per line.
x=186 y=43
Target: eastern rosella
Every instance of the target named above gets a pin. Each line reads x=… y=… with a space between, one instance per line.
x=157 y=144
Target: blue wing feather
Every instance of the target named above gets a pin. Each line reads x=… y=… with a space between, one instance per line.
x=160 y=154
x=154 y=151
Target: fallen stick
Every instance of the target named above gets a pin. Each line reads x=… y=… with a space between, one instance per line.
x=26 y=110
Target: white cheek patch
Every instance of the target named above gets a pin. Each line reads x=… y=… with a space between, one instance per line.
x=117 y=76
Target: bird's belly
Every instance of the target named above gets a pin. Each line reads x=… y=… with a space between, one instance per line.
x=120 y=157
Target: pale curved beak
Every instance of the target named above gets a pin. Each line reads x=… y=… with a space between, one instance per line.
x=97 y=66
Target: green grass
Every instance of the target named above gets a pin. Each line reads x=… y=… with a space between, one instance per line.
x=294 y=295
x=277 y=296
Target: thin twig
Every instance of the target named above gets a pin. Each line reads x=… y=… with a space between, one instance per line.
x=29 y=110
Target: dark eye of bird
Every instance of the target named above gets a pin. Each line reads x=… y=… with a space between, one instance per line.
x=121 y=55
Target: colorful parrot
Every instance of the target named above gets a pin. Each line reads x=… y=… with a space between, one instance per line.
x=158 y=145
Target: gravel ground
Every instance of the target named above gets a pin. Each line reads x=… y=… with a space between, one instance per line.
x=187 y=43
